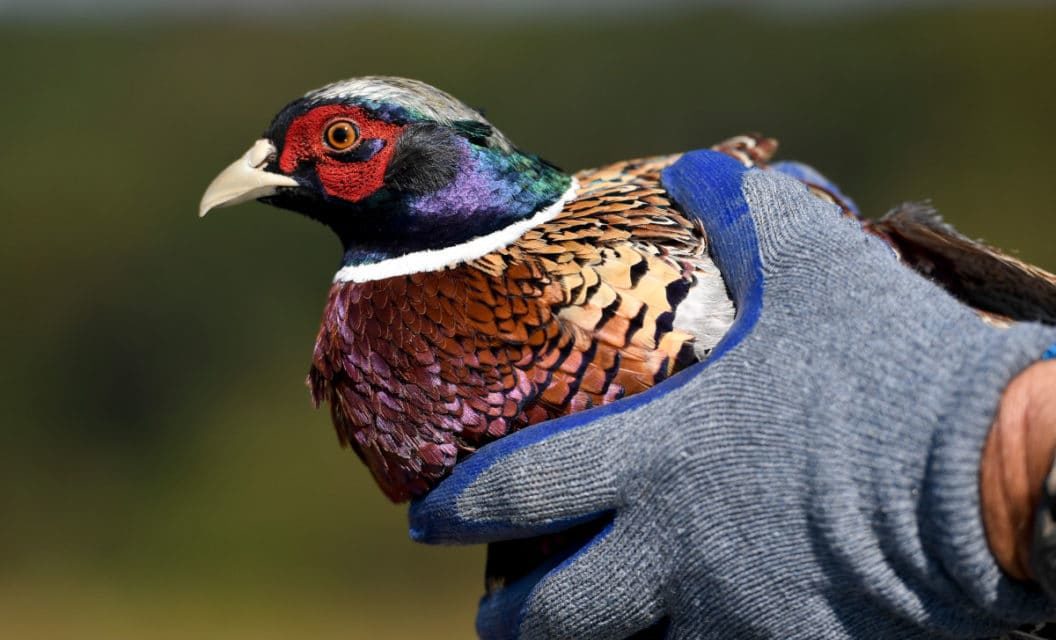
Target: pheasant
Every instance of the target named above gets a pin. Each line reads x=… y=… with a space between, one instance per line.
x=482 y=289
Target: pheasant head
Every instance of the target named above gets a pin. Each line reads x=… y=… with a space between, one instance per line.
x=397 y=168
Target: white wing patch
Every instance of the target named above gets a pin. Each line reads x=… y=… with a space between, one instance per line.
x=707 y=312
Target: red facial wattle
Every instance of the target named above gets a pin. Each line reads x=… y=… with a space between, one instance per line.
x=350 y=181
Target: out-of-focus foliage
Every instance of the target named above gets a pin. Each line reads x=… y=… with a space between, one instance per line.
x=164 y=475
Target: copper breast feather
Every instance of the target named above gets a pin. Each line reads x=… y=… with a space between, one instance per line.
x=420 y=370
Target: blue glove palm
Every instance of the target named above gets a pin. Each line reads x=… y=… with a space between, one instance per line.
x=816 y=477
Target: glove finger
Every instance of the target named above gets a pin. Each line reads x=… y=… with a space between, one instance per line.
x=810 y=175
x=609 y=589
x=553 y=475
x=540 y=480
x=747 y=213
x=499 y=613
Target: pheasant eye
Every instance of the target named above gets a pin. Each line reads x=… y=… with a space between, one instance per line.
x=341 y=135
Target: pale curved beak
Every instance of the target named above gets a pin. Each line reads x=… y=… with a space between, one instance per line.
x=245 y=179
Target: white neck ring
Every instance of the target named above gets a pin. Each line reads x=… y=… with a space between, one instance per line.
x=438 y=259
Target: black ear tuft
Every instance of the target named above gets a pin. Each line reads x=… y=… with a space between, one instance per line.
x=476 y=132
x=424 y=160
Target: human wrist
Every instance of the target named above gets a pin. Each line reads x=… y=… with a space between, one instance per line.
x=1016 y=458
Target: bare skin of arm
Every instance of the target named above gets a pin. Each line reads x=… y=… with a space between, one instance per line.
x=1017 y=457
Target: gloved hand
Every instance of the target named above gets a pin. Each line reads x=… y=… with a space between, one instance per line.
x=817 y=476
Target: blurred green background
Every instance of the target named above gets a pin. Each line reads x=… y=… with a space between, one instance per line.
x=163 y=473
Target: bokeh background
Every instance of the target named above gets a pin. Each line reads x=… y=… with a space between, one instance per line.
x=163 y=474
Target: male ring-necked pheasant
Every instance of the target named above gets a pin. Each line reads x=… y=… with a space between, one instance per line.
x=482 y=289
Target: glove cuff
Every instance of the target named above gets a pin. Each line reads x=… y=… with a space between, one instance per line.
x=952 y=531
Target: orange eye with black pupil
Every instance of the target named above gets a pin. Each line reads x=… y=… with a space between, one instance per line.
x=341 y=135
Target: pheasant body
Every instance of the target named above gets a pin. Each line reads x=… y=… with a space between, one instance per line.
x=579 y=311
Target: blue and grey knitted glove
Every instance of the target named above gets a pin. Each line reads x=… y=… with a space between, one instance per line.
x=816 y=477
